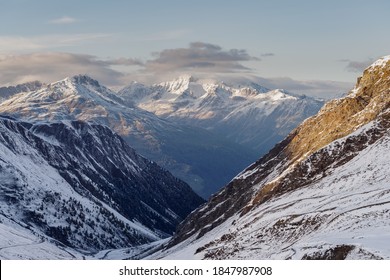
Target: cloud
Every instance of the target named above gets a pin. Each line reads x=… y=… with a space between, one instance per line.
x=199 y=57
x=357 y=66
x=48 y=67
x=63 y=20
x=203 y=60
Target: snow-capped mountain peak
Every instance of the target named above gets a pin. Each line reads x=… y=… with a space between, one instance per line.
x=84 y=86
x=85 y=79
x=60 y=100
x=179 y=85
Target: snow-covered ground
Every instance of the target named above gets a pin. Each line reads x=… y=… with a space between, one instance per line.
x=19 y=242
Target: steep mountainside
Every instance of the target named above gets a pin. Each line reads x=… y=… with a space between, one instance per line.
x=247 y=113
x=81 y=186
x=192 y=154
x=322 y=193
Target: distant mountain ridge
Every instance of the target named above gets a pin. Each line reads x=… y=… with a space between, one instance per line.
x=6 y=92
x=248 y=114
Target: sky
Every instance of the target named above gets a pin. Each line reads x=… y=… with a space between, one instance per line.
x=312 y=47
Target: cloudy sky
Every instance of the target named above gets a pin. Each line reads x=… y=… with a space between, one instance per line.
x=312 y=47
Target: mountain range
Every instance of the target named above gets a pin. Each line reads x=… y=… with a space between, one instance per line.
x=321 y=193
x=73 y=188
x=191 y=148
x=246 y=113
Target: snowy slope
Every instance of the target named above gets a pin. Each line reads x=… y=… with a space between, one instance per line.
x=192 y=154
x=246 y=113
x=321 y=193
x=81 y=186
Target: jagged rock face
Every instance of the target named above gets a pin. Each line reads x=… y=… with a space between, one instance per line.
x=83 y=186
x=365 y=102
x=321 y=193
